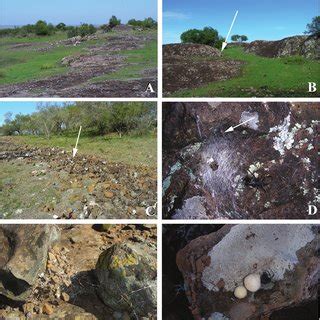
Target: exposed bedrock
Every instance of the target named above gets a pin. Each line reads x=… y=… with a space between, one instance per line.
x=23 y=257
x=284 y=256
x=265 y=168
x=307 y=46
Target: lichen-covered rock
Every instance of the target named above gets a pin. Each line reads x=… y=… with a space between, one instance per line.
x=23 y=257
x=127 y=278
x=307 y=46
x=285 y=256
x=265 y=169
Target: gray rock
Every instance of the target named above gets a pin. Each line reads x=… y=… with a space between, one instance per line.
x=127 y=277
x=23 y=257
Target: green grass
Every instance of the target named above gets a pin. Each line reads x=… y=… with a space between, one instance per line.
x=288 y=76
x=23 y=64
x=138 y=60
x=132 y=150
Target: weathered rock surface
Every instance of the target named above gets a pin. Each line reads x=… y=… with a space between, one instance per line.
x=127 y=276
x=189 y=49
x=187 y=66
x=285 y=256
x=265 y=169
x=307 y=46
x=23 y=257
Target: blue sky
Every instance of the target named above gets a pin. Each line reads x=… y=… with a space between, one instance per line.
x=73 y=12
x=23 y=107
x=258 y=19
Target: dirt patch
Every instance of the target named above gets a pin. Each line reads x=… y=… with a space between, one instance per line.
x=191 y=66
x=49 y=183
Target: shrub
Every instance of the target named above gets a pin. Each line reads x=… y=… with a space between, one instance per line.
x=114 y=21
x=41 y=28
x=61 y=26
x=146 y=23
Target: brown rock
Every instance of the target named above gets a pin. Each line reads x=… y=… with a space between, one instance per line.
x=65 y=297
x=47 y=309
x=108 y=194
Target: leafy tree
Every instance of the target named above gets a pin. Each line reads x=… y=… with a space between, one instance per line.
x=243 y=38
x=114 y=21
x=146 y=23
x=41 y=28
x=313 y=28
x=235 y=37
x=238 y=38
x=208 y=36
x=61 y=26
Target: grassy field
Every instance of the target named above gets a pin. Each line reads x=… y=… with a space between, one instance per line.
x=138 y=60
x=18 y=65
x=132 y=150
x=23 y=64
x=288 y=76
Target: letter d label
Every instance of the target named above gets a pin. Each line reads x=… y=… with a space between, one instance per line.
x=312 y=210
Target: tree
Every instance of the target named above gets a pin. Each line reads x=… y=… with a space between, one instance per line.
x=42 y=29
x=61 y=26
x=208 y=36
x=243 y=38
x=238 y=38
x=114 y=21
x=313 y=28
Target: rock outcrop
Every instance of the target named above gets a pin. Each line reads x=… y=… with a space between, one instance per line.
x=23 y=257
x=189 y=50
x=208 y=173
x=187 y=66
x=306 y=46
x=127 y=278
x=285 y=257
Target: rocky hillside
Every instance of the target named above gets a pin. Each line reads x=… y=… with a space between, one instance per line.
x=306 y=46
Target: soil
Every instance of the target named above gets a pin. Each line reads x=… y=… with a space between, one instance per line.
x=265 y=171
x=194 y=66
x=68 y=287
x=100 y=59
x=48 y=183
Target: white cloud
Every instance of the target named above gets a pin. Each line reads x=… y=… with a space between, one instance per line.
x=174 y=15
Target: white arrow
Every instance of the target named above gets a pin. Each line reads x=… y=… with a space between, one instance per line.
x=224 y=44
x=232 y=128
x=75 y=150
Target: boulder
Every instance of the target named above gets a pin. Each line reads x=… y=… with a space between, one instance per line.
x=306 y=46
x=285 y=257
x=127 y=275
x=23 y=257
